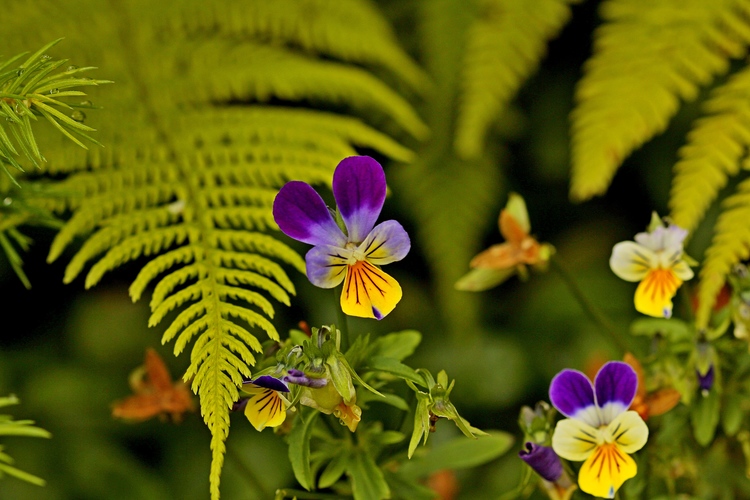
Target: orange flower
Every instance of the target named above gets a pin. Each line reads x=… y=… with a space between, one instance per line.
x=499 y=262
x=654 y=403
x=155 y=393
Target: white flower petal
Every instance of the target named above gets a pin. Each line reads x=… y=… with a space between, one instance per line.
x=631 y=261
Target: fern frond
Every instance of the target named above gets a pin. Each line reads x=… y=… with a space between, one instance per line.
x=192 y=159
x=730 y=245
x=224 y=70
x=341 y=30
x=504 y=46
x=716 y=145
x=647 y=58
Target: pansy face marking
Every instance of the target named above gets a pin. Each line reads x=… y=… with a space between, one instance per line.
x=599 y=429
x=355 y=257
x=656 y=260
x=266 y=407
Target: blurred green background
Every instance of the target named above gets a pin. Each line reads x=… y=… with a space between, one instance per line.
x=67 y=353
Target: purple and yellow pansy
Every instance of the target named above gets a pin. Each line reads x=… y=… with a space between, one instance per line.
x=599 y=429
x=265 y=407
x=354 y=255
x=656 y=259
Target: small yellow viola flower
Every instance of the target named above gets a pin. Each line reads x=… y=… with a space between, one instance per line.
x=655 y=259
x=265 y=407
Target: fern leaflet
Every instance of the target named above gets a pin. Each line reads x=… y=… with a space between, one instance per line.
x=646 y=59
x=730 y=245
x=503 y=47
x=714 y=151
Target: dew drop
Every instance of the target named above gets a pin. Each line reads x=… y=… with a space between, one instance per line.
x=88 y=104
x=7 y=201
x=54 y=91
x=78 y=115
x=18 y=108
x=46 y=57
x=20 y=72
x=72 y=67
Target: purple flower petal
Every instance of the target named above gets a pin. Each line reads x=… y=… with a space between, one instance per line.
x=572 y=394
x=543 y=460
x=359 y=189
x=327 y=265
x=269 y=382
x=706 y=380
x=302 y=214
x=386 y=243
x=615 y=383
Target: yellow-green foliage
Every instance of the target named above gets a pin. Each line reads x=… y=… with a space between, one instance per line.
x=714 y=150
x=647 y=57
x=192 y=160
x=10 y=427
x=731 y=244
x=503 y=47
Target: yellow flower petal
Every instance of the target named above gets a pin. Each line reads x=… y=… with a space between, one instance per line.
x=605 y=470
x=574 y=439
x=631 y=261
x=655 y=292
x=369 y=292
x=629 y=431
x=265 y=409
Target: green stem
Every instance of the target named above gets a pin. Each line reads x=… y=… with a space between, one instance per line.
x=590 y=309
x=305 y=495
x=342 y=320
x=248 y=473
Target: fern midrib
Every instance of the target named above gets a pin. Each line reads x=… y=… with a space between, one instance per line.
x=200 y=238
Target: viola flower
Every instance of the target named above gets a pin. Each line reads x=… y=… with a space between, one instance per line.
x=266 y=407
x=499 y=262
x=599 y=429
x=355 y=255
x=657 y=260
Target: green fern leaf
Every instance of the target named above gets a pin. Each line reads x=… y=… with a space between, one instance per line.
x=646 y=59
x=730 y=245
x=714 y=151
x=504 y=46
x=193 y=158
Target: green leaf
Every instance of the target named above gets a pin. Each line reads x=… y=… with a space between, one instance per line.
x=480 y=279
x=397 y=345
x=299 y=448
x=394 y=367
x=368 y=482
x=388 y=398
x=675 y=329
x=334 y=469
x=406 y=489
x=421 y=422
x=731 y=417
x=459 y=453
x=704 y=415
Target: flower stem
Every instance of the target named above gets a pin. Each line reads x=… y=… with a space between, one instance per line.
x=342 y=320
x=301 y=494
x=591 y=311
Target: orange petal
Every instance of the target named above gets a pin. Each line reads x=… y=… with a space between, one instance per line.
x=502 y=256
x=511 y=229
x=157 y=371
x=638 y=368
x=662 y=401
